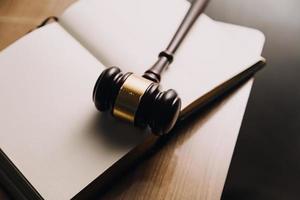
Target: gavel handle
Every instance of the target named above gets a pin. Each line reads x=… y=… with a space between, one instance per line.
x=166 y=57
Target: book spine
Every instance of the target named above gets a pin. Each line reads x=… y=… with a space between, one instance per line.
x=14 y=182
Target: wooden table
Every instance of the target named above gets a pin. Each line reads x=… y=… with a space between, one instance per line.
x=18 y=17
x=167 y=174
x=156 y=175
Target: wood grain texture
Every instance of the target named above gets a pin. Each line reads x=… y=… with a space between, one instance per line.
x=171 y=172
x=17 y=17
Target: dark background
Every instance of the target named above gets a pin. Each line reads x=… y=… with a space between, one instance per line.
x=266 y=160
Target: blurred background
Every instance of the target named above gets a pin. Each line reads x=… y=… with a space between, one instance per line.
x=266 y=160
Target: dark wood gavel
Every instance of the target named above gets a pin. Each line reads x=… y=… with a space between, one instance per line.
x=165 y=58
x=137 y=99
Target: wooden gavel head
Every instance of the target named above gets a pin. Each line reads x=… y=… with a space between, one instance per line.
x=136 y=99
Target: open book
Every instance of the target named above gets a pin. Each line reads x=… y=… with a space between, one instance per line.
x=54 y=143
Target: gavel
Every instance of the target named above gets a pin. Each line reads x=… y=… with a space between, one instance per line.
x=138 y=99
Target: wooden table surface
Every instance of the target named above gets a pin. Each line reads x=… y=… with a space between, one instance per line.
x=256 y=172
x=168 y=174
x=17 y=17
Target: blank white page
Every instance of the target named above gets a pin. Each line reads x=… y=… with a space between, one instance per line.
x=130 y=34
x=49 y=127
